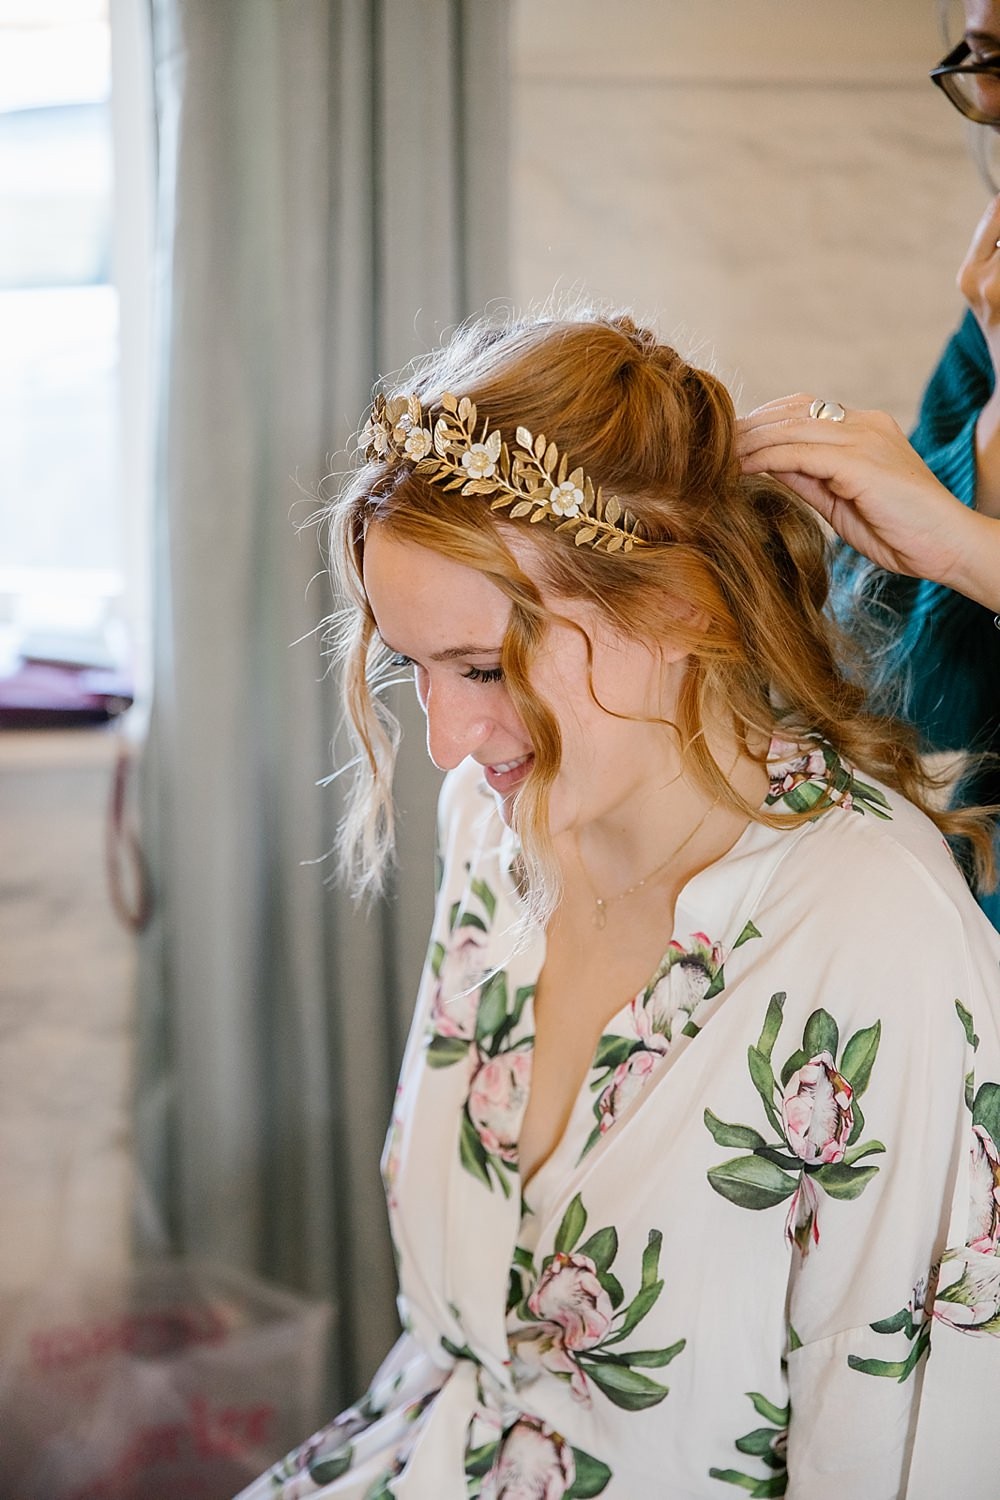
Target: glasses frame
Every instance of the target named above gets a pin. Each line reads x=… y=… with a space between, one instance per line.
x=955 y=63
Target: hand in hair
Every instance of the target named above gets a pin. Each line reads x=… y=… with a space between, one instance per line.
x=868 y=483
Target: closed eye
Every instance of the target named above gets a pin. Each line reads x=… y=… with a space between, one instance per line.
x=484 y=674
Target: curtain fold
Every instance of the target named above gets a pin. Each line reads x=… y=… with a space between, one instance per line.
x=331 y=198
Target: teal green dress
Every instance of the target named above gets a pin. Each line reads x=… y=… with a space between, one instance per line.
x=945 y=662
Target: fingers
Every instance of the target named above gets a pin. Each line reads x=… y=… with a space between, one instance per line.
x=783 y=434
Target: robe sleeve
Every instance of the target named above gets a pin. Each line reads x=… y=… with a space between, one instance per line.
x=894 y=1313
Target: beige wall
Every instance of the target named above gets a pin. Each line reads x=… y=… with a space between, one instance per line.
x=774 y=183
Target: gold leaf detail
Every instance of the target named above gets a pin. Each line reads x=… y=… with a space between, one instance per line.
x=585 y=534
x=524 y=438
x=522 y=508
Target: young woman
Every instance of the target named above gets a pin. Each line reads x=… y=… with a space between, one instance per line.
x=693 y=1170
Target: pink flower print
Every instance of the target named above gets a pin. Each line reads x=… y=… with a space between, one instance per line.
x=984 y=1205
x=687 y=975
x=497 y=1099
x=802 y=1223
x=532 y=1463
x=628 y=1080
x=542 y=1348
x=788 y=766
x=817 y=1111
x=971 y=1302
x=569 y=1295
x=459 y=982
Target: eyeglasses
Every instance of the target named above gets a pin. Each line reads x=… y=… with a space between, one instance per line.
x=973 y=88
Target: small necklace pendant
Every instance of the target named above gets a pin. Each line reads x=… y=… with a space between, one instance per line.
x=600 y=914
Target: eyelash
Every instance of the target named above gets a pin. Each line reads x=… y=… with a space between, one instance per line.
x=474 y=674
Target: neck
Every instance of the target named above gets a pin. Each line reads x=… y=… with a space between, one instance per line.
x=666 y=812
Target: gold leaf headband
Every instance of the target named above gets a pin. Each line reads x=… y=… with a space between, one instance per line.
x=532 y=478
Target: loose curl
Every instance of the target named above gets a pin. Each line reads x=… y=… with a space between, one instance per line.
x=737 y=576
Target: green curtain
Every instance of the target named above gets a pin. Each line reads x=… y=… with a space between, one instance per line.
x=331 y=198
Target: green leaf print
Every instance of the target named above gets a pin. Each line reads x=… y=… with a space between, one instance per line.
x=444 y=1051
x=763 y=1082
x=473 y=1153
x=815 y=1117
x=483 y=893
x=986 y=1110
x=758 y=1489
x=777 y=1415
x=653 y=1359
x=592 y=1477
x=913 y=1323
x=594 y=1355
x=749 y=931
x=766 y=1445
x=772 y=1025
x=967 y=1025
x=758 y=1444
x=892 y=1369
x=839 y=1180
x=611 y=1052
x=332 y=1467
x=751 y=1182
x=859 y=1057
x=436 y=958
x=820 y=1035
x=798 y=1060
x=601 y=1248
x=459 y=918
x=651 y=1258
x=574 y=1222
x=733 y=1135
x=642 y=1303
x=492 y=1009
x=625 y=1388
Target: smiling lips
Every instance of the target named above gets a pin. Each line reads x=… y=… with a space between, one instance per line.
x=508 y=774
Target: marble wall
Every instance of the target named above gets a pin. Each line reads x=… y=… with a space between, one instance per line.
x=775 y=184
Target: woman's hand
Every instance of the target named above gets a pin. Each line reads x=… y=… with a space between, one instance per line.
x=865 y=479
x=979 y=283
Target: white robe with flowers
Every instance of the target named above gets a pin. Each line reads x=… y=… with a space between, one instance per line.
x=765 y=1256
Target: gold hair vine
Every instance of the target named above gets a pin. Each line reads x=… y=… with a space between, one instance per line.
x=532 y=478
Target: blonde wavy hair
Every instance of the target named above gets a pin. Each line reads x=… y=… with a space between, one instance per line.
x=738 y=576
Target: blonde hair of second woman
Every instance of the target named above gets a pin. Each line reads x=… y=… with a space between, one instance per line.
x=738 y=576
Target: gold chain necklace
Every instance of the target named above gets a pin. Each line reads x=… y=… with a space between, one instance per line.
x=601 y=903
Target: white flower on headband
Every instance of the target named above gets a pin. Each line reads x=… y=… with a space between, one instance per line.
x=480 y=459
x=376 y=437
x=565 y=499
x=418 y=443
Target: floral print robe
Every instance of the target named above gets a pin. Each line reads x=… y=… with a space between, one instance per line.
x=765 y=1255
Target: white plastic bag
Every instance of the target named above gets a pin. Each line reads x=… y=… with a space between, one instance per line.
x=179 y=1381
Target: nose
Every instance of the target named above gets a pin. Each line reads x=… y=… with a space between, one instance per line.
x=456 y=724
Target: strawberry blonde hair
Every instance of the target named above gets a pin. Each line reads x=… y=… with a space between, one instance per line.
x=737 y=575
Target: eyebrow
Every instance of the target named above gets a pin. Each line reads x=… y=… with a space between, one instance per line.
x=453 y=653
x=989 y=38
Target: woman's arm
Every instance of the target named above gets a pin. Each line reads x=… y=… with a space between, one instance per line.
x=865 y=479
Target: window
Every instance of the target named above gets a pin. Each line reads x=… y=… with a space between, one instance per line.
x=61 y=546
